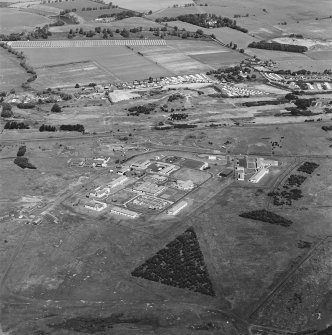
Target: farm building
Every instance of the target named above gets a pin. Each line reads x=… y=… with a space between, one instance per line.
x=95 y=206
x=259 y=175
x=118 y=181
x=177 y=208
x=125 y=212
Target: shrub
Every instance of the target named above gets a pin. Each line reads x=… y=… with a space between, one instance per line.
x=56 y=109
x=21 y=151
x=23 y=163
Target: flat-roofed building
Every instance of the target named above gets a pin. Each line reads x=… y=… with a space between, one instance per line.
x=124 y=211
x=259 y=175
x=177 y=208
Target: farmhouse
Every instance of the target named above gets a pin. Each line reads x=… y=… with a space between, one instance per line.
x=177 y=208
x=259 y=175
x=125 y=212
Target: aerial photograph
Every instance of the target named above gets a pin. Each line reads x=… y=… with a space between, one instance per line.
x=166 y=167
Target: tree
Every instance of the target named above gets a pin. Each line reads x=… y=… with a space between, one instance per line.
x=125 y=33
x=56 y=109
x=6 y=110
x=77 y=86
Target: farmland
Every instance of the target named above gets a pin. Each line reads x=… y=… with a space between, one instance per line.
x=117 y=63
x=147 y=5
x=12 y=20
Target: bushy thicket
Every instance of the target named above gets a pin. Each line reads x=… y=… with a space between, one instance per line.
x=23 y=163
x=266 y=216
x=72 y=127
x=277 y=46
x=179 y=264
x=16 y=125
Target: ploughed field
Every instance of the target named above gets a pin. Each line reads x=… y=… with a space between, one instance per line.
x=65 y=63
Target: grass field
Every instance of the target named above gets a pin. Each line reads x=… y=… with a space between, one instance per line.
x=13 y=20
x=89 y=15
x=225 y=35
x=147 y=5
x=174 y=12
x=293 y=61
x=78 y=4
x=12 y=75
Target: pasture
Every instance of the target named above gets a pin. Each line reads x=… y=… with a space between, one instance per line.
x=13 y=20
x=293 y=61
x=12 y=75
x=147 y=5
x=224 y=35
x=78 y=4
x=316 y=29
x=174 y=12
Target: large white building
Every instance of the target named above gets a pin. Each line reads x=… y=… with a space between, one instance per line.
x=259 y=175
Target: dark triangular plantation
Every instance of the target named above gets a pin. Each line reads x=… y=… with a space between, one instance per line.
x=179 y=264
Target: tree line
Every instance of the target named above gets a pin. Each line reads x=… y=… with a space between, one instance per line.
x=278 y=46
